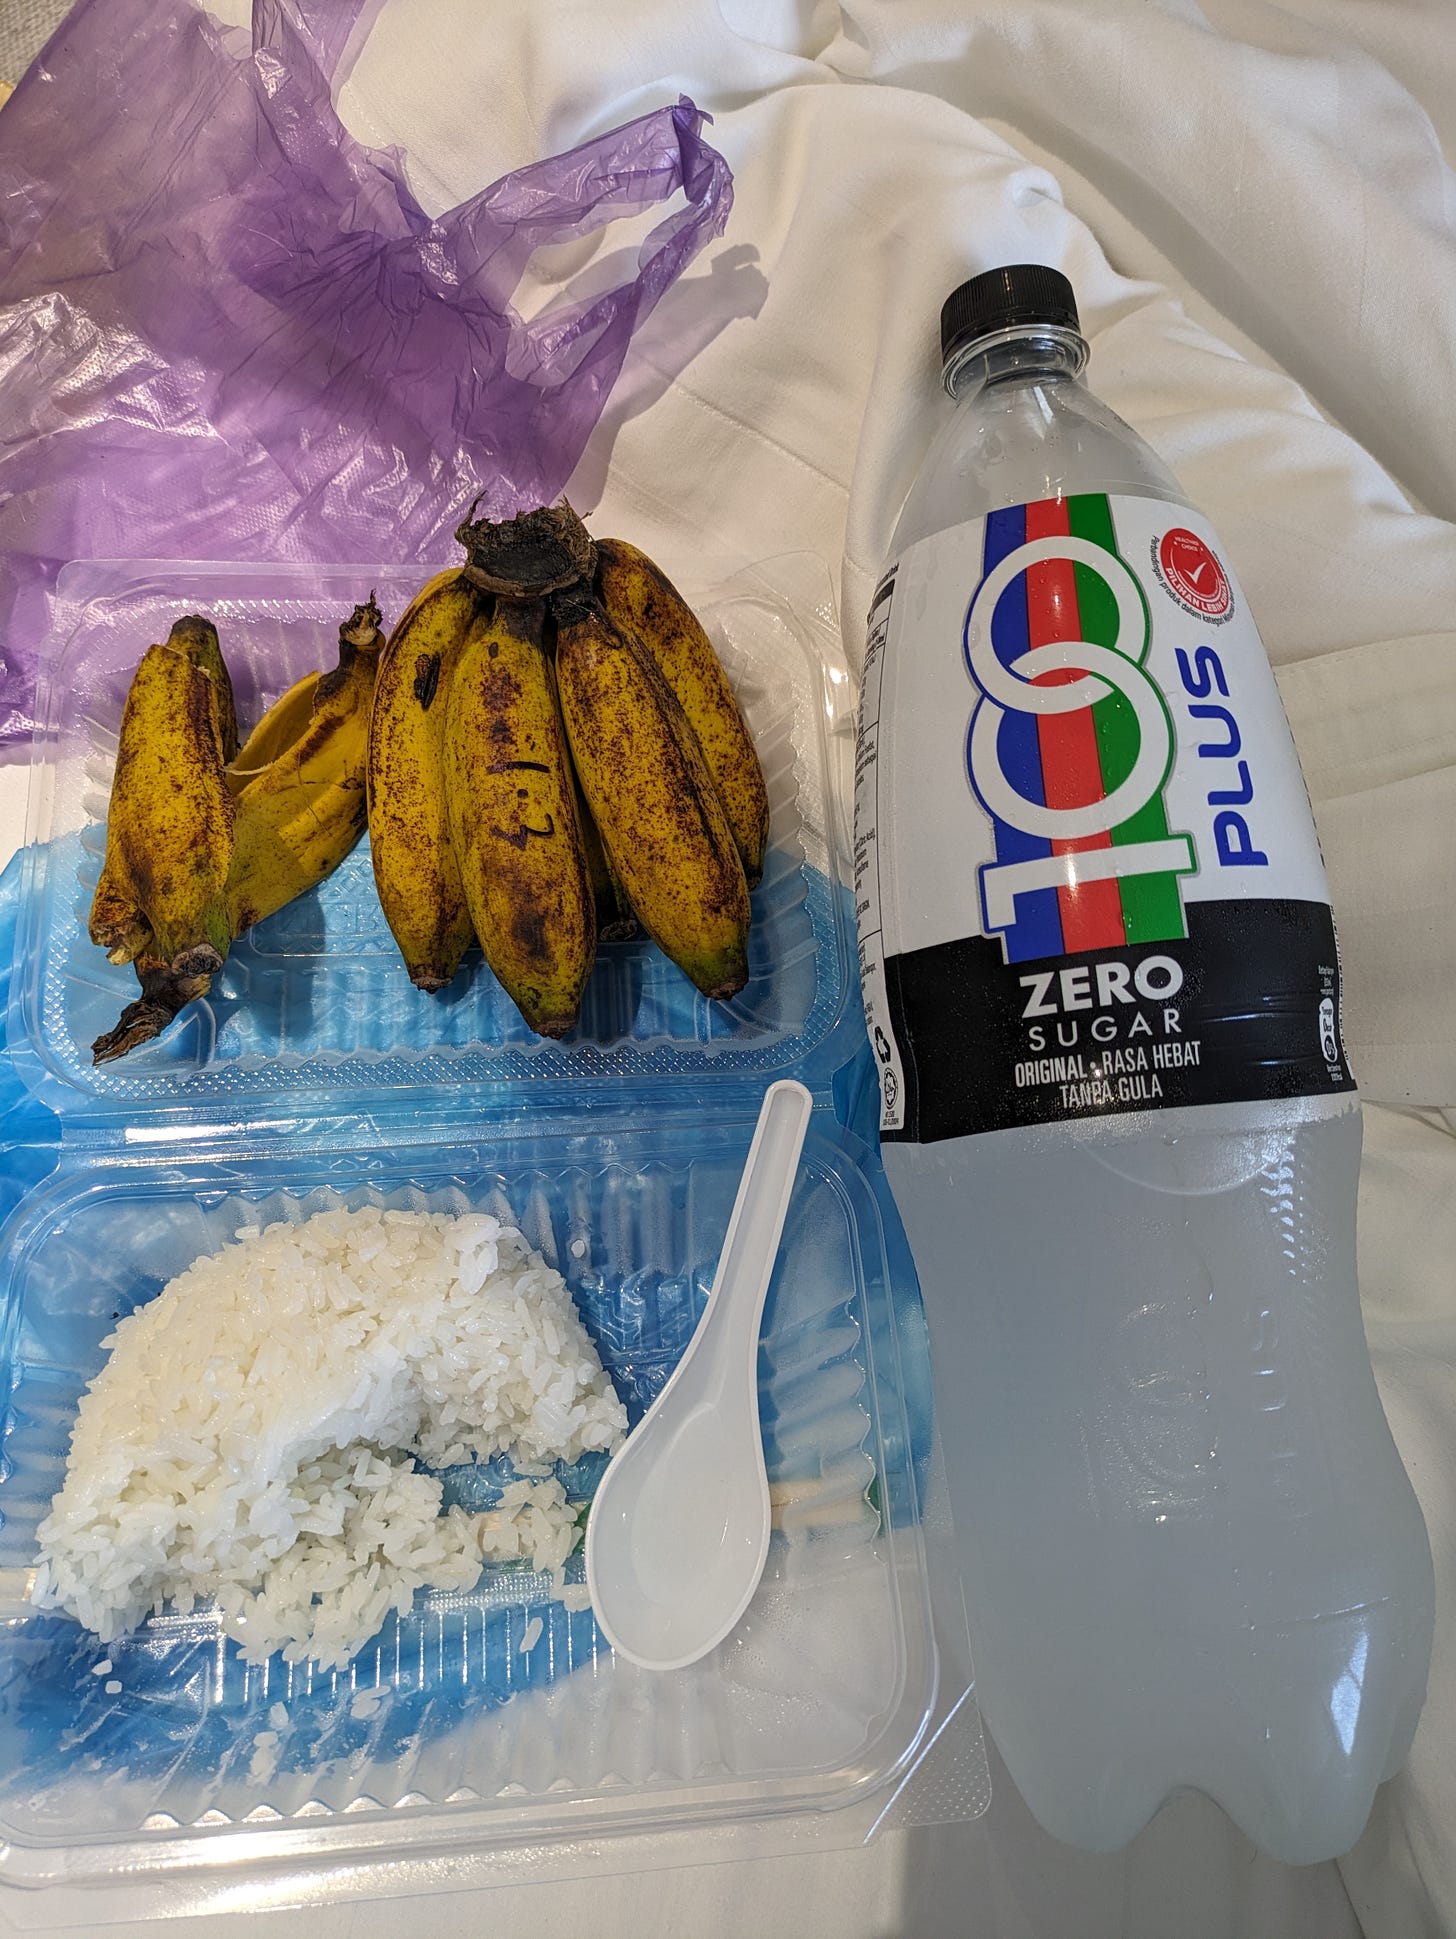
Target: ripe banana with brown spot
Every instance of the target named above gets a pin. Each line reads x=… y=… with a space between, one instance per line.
x=416 y=872
x=662 y=822
x=302 y=814
x=513 y=817
x=290 y=824
x=641 y=601
x=169 y=829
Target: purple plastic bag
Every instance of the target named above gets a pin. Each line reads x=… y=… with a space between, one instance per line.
x=228 y=331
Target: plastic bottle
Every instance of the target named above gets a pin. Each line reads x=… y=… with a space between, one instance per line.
x=1120 y=1128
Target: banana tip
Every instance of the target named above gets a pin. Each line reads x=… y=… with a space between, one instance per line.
x=555 y=1027
x=193 y=626
x=726 y=988
x=202 y=959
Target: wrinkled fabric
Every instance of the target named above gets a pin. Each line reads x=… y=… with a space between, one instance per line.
x=228 y=330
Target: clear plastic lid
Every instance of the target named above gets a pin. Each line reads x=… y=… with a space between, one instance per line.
x=315 y=1076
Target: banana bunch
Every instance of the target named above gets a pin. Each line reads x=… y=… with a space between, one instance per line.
x=556 y=756
x=204 y=838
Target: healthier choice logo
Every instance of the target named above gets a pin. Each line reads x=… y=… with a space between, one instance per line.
x=1193 y=575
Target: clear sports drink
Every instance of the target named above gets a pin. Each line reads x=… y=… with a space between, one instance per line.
x=1102 y=984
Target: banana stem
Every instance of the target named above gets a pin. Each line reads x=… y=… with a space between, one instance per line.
x=526 y=557
x=573 y=602
x=164 y=993
x=363 y=626
x=360 y=633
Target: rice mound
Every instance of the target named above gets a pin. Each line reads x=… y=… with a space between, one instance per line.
x=252 y=1437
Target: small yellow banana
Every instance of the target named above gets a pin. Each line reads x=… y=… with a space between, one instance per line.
x=641 y=601
x=292 y=822
x=301 y=815
x=662 y=823
x=415 y=867
x=169 y=832
x=513 y=817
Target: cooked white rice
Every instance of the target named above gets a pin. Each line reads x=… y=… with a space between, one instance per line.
x=250 y=1440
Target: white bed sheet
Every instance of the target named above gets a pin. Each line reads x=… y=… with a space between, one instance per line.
x=1257 y=206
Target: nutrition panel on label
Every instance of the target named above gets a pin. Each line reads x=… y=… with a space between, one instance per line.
x=868 y=914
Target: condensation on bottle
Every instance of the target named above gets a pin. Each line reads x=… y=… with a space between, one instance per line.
x=1102 y=985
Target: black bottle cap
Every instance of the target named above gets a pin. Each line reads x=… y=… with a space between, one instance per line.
x=1000 y=299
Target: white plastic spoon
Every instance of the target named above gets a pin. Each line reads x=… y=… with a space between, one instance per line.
x=678 y=1532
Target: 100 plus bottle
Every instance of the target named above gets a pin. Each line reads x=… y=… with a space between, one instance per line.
x=1102 y=986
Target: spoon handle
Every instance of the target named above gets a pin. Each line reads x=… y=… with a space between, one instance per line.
x=745 y=1265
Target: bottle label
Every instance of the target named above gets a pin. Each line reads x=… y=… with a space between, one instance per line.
x=1087 y=877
